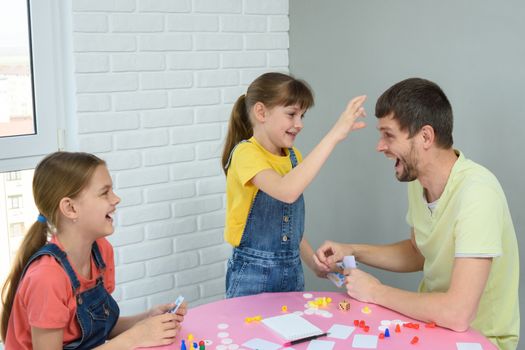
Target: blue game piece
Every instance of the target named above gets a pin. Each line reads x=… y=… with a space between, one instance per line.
x=387 y=333
x=183 y=345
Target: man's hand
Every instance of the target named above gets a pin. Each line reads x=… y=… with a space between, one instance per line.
x=361 y=285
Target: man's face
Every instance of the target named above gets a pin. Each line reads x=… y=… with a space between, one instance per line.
x=396 y=144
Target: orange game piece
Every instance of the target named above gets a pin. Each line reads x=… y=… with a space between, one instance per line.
x=414 y=340
x=430 y=325
x=398 y=329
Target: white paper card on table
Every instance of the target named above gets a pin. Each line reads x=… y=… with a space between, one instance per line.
x=469 y=346
x=362 y=341
x=291 y=326
x=261 y=344
x=340 y=331
x=320 y=345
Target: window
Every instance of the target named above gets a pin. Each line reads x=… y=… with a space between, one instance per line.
x=36 y=90
x=35 y=74
x=15 y=202
x=13 y=176
x=17 y=213
x=16 y=230
x=16 y=86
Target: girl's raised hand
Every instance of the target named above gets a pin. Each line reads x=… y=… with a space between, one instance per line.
x=347 y=121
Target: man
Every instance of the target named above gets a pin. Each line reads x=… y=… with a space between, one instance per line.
x=462 y=236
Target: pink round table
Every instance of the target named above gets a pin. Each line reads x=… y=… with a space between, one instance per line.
x=223 y=325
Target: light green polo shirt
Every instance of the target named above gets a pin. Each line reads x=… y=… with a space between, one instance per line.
x=471 y=219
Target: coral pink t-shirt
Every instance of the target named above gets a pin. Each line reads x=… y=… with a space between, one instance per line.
x=45 y=298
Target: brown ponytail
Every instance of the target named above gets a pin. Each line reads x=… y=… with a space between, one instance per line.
x=272 y=89
x=34 y=239
x=58 y=175
x=240 y=128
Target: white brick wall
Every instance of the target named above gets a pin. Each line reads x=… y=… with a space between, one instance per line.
x=155 y=83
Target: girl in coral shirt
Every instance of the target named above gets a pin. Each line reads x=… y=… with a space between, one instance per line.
x=57 y=295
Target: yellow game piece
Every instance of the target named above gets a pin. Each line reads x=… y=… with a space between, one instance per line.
x=366 y=310
x=284 y=308
x=328 y=300
x=257 y=318
x=190 y=337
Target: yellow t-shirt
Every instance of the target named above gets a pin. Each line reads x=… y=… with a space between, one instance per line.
x=248 y=159
x=471 y=219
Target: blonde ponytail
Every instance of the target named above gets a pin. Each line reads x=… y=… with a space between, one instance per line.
x=34 y=239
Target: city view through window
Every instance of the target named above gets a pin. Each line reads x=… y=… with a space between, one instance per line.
x=16 y=93
x=17 y=210
x=17 y=214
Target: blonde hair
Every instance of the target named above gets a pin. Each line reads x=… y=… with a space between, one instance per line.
x=272 y=89
x=58 y=175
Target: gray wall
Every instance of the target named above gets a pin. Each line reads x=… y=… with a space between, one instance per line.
x=475 y=50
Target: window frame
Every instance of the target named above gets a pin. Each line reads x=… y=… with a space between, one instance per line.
x=14 y=175
x=20 y=228
x=53 y=93
x=15 y=202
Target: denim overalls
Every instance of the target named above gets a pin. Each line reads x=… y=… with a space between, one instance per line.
x=97 y=312
x=268 y=257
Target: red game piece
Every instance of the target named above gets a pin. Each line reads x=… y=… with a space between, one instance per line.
x=361 y=324
x=356 y=323
x=381 y=335
x=366 y=328
x=414 y=340
x=431 y=325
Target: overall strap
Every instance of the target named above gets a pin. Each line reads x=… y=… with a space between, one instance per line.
x=95 y=251
x=293 y=157
x=231 y=154
x=60 y=256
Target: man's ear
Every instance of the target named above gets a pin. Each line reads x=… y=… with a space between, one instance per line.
x=67 y=208
x=428 y=136
x=259 y=110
